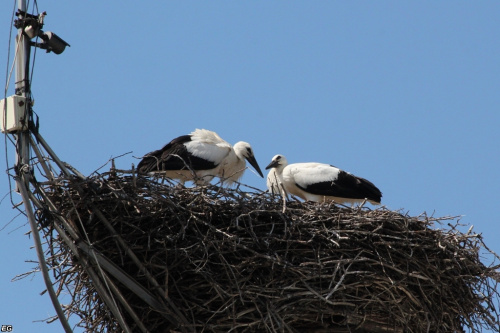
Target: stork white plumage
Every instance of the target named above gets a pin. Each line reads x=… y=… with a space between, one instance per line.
x=319 y=182
x=200 y=156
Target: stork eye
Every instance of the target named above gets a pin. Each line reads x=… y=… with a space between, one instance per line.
x=278 y=158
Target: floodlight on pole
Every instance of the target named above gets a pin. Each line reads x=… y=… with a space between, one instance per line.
x=31 y=26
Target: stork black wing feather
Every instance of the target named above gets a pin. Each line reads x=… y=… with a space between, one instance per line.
x=346 y=186
x=173 y=156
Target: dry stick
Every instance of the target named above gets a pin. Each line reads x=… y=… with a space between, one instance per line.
x=123 y=277
x=361 y=206
x=278 y=319
x=124 y=303
x=94 y=276
x=103 y=261
x=141 y=267
x=39 y=251
x=63 y=167
x=101 y=289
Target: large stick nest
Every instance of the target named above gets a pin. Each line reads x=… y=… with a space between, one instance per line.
x=223 y=260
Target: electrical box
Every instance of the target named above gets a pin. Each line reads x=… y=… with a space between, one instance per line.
x=13 y=111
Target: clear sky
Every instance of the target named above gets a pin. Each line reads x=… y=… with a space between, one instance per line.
x=405 y=94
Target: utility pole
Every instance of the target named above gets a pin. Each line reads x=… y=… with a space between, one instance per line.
x=23 y=89
x=18 y=121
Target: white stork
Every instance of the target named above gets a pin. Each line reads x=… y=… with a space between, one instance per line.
x=200 y=156
x=319 y=182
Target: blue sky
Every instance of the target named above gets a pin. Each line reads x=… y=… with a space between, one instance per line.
x=405 y=94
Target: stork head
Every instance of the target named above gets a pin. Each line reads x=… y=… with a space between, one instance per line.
x=278 y=162
x=244 y=151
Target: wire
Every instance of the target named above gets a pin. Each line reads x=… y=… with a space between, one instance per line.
x=8 y=49
x=32 y=68
x=8 y=75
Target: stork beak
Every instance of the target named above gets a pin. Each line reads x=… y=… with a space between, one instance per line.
x=273 y=164
x=253 y=162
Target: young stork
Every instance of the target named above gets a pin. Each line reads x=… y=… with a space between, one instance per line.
x=200 y=156
x=319 y=182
